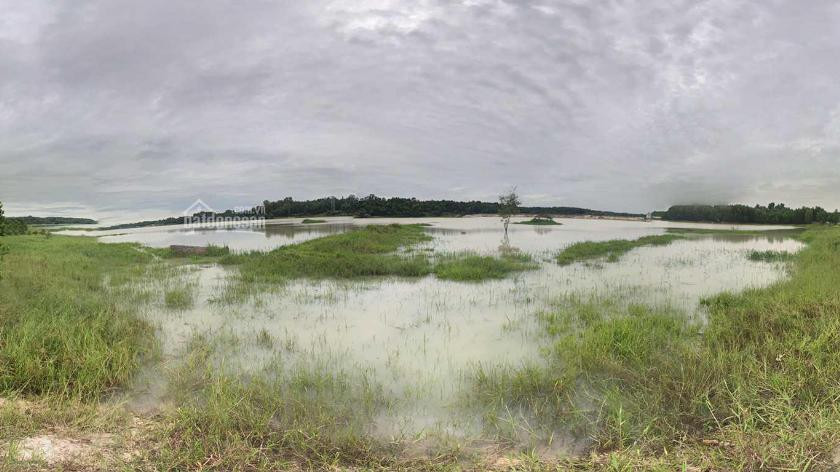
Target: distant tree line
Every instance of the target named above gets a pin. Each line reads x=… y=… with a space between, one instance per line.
x=770 y=214
x=11 y=226
x=374 y=206
x=54 y=220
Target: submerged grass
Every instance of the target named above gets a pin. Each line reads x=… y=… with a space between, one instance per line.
x=611 y=250
x=754 y=388
x=288 y=417
x=63 y=333
x=770 y=256
x=179 y=298
x=309 y=221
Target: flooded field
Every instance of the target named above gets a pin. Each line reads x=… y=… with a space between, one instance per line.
x=415 y=343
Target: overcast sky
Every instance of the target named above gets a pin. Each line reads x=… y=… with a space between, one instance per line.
x=139 y=107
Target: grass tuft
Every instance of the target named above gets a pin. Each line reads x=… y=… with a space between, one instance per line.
x=63 y=332
x=179 y=298
x=770 y=256
x=469 y=266
x=610 y=250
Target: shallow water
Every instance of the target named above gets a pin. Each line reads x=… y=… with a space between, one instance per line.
x=418 y=337
x=479 y=233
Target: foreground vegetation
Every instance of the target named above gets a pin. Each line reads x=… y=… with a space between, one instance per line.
x=754 y=387
x=63 y=333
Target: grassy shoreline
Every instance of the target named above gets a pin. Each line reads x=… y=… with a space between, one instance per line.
x=753 y=387
x=63 y=333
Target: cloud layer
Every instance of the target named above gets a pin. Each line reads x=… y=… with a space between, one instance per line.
x=108 y=107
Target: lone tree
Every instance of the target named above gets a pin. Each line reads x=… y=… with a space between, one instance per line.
x=2 y=221
x=508 y=204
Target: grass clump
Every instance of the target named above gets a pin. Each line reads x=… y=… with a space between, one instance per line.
x=178 y=298
x=469 y=266
x=64 y=334
x=369 y=251
x=770 y=256
x=308 y=415
x=539 y=221
x=211 y=252
x=610 y=250
x=309 y=221
x=754 y=388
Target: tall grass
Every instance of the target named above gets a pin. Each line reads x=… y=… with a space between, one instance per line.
x=63 y=333
x=309 y=415
x=469 y=266
x=761 y=376
x=611 y=250
x=179 y=298
x=369 y=251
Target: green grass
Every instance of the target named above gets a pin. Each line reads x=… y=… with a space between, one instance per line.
x=770 y=256
x=309 y=415
x=369 y=251
x=759 y=378
x=64 y=334
x=179 y=298
x=752 y=387
x=610 y=250
x=309 y=221
x=539 y=222
x=213 y=253
x=469 y=266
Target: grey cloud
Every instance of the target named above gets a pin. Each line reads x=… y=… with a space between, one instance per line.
x=127 y=107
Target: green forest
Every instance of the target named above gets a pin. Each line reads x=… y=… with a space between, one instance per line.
x=54 y=220
x=770 y=214
x=374 y=206
x=11 y=226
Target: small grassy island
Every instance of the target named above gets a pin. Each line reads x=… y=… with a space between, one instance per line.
x=541 y=220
